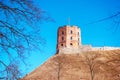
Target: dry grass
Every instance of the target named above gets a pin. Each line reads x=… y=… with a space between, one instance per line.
x=75 y=67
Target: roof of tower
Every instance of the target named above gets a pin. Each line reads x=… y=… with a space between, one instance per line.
x=69 y=26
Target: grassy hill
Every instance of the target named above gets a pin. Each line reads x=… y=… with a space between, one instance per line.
x=94 y=65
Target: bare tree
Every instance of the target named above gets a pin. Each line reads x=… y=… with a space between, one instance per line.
x=18 y=34
x=59 y=63
x=114 y=63
x=109 y=17
x=92 y=62
x=108 y=64
x=114 y=17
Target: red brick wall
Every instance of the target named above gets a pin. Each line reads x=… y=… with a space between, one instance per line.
x=69 y=37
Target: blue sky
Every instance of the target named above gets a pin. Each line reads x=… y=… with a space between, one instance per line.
x=81 y=12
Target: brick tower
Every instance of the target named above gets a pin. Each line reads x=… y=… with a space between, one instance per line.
x=68 y=37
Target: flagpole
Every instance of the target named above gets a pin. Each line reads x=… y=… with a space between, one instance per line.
x=69 y=21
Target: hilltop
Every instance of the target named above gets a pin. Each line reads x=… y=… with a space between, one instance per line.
x=92 y=65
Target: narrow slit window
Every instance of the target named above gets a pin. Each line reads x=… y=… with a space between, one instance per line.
x=62 y=32
x=71 y=31
x=71 y=44
x=61 y=44
x=71 y=38
x=62 y=38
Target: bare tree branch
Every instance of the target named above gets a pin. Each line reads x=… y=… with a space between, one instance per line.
x=106 y=18
x=18 y=33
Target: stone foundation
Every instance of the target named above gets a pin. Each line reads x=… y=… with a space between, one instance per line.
x=70 y=50
x=84 y=48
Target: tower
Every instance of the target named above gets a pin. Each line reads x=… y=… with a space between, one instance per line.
x=68 y=37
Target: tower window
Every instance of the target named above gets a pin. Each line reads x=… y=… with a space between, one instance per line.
x=61 y=44
x=78 y=39
x=62 y=32
x=78 y=33
x=71 y=44
x=71 y=31
x=71 y=38
x=78 y=44
x=62 y=38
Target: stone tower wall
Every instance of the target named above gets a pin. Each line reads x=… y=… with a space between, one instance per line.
x=78 y=50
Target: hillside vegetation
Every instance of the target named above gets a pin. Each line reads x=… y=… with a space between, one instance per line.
x=94 y=65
